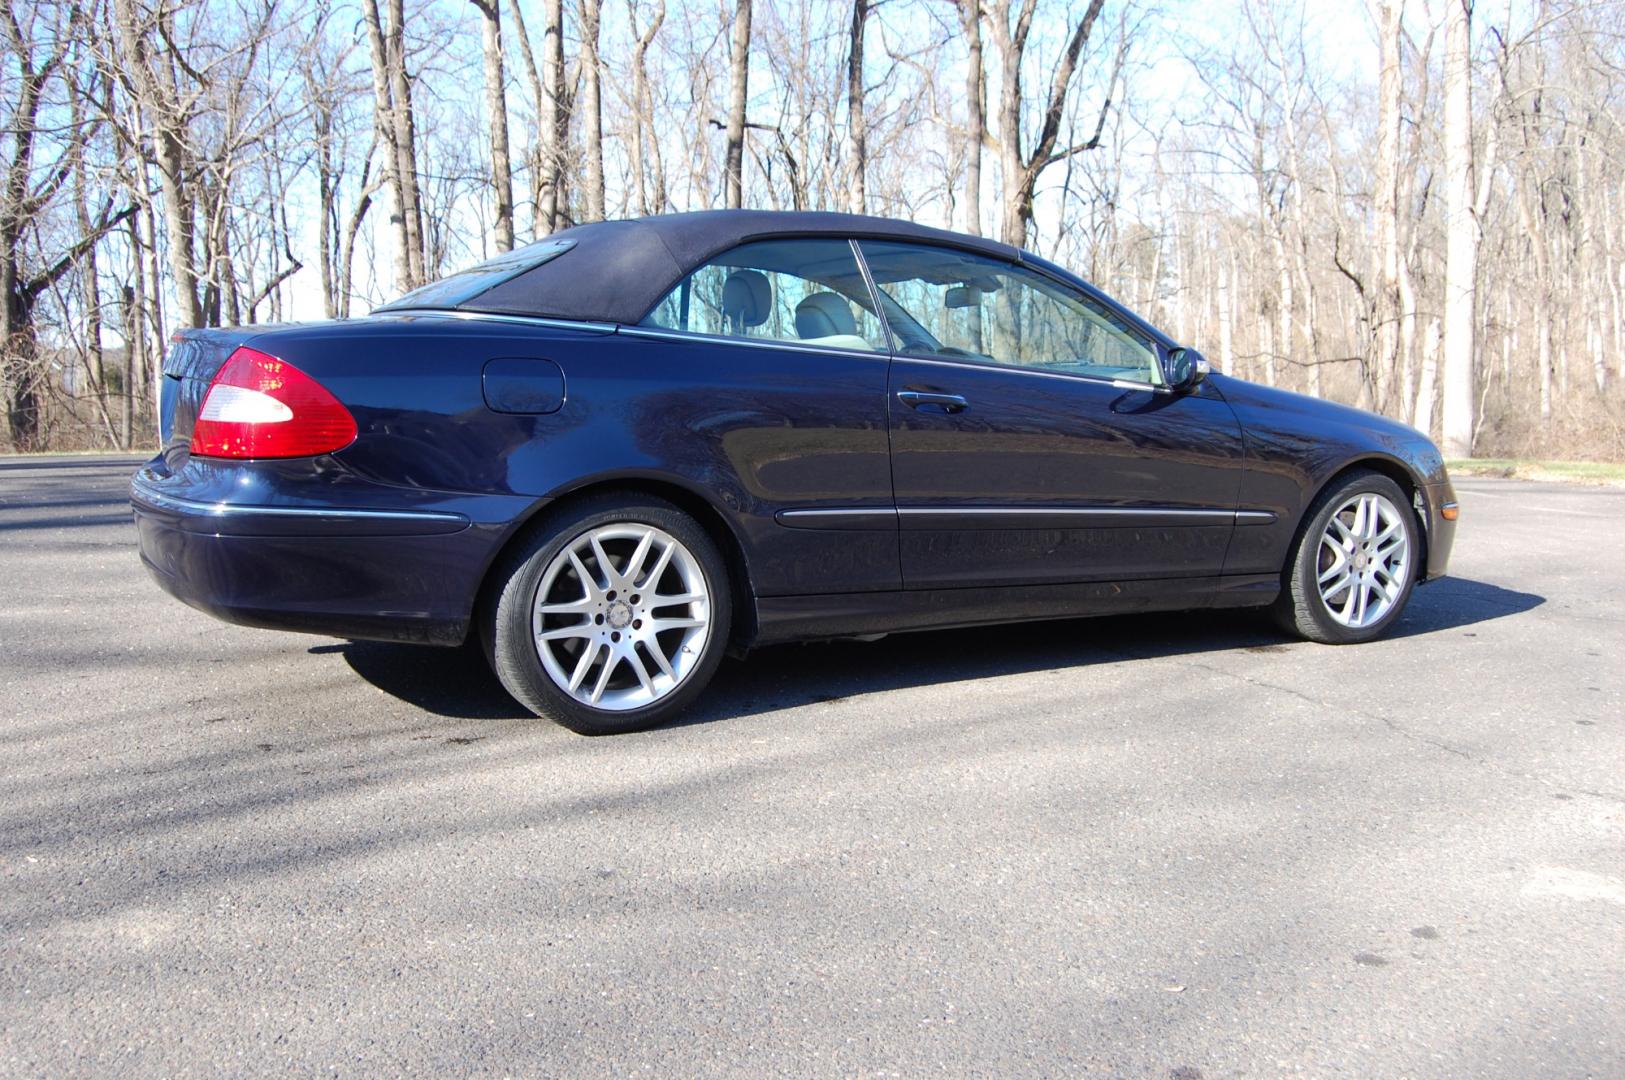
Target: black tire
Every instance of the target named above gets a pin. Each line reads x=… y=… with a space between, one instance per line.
x=507 y=633
x=1300 y=609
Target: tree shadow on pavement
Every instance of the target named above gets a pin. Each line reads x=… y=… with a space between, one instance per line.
x=458 y=683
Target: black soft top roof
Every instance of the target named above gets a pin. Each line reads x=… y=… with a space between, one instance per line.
x=618 y=270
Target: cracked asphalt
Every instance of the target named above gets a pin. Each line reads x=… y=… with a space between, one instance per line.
x=1172 y=846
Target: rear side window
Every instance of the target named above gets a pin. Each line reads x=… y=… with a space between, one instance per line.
x=810 y=292
x=465 y=285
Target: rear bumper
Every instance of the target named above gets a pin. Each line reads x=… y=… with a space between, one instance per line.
x=386 y=573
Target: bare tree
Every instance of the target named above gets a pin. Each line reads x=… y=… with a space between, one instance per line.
x=392 y=89
x=496 y=109
x=857 y=153
x=970 y=16
x=592 y=109
x=1461 y=265
x=646 y=155
x=738 y=95
x=1020 y=169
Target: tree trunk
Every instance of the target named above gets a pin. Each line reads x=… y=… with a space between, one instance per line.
x=388 y=133
x=1019 y=170
x=645 y=137
x=1427 y=385
x=738 y=95
x=554 y=202
x=1461 y=259
x=970 y=19
x=496 y=109
x=857 y=131
x=1384 y=277
x=592 y=109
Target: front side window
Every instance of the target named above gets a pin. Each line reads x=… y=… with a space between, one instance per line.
x=806 y=291
x=954 y=304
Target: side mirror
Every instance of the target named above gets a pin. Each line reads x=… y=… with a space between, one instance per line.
x=1186 y=370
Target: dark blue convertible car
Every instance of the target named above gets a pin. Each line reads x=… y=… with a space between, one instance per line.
x=618 y=453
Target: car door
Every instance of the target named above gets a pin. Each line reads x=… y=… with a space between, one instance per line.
x=761 y=376
x=1033 y=439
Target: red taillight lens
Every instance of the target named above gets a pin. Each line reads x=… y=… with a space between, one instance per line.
x=261 y=407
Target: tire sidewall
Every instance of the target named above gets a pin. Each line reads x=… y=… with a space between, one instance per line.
x=512 y=647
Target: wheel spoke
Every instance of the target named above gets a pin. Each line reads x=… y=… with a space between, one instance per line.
x=660 y=626
x=652 y=643
x=663 y=561
x=610 y=574
x=589 y=584
x=1336 y=587
x=611 y=662
x=636 y=663
x=1340 y=562
x=659 y=601
x=573 y=607
x=583 y=665
x=580 y=630
x=634 y=564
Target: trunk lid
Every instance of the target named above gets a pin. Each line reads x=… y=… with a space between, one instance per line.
x=193 y=358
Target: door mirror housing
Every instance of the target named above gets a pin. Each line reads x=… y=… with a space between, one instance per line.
x=1187 y=369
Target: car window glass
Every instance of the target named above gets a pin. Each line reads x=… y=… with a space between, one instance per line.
x=948 y=303
x=467 y=284
x=805 y=291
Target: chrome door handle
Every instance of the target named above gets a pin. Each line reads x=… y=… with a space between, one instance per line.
x=948 y=403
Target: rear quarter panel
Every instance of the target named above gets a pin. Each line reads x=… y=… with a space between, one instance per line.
x=749 y=430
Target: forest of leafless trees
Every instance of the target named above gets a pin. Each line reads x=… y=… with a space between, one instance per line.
x=1410 y=205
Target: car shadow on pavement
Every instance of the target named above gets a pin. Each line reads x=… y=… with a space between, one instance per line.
x=457 y=682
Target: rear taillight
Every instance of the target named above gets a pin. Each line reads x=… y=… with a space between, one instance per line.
x=261 y=407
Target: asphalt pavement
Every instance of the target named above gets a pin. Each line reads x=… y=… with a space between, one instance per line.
x=1172 y=846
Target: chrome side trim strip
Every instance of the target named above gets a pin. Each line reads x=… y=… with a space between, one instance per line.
x=1051 y=511
x=157 y=499
x=863 y=519
x=850 y=517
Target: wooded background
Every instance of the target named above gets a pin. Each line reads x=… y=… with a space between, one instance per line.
x=1410 y=205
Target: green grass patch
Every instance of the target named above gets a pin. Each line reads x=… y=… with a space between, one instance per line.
x=1585 y=472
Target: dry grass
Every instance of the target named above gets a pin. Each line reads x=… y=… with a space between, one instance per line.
x=1609 y=474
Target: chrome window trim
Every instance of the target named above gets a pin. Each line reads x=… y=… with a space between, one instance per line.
x=874 y=295
x=987 y=365
x=492 y=316
x=662 y=334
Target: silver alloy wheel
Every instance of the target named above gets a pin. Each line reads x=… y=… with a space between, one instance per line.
x=1364 y=560
x=622 y=616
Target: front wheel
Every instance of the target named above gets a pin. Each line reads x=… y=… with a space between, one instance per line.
x=1355 y=563
x=614 y=618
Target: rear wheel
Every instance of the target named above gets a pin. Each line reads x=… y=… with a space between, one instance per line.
x=1352 y=571
x=614 y=618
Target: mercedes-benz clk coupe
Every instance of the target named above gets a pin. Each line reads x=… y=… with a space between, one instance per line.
x=616 y=454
